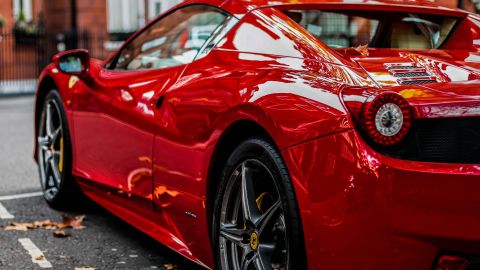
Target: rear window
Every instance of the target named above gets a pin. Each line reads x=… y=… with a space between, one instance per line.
x=345 y=29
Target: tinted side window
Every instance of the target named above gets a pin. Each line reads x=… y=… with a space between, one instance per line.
x=172 y=41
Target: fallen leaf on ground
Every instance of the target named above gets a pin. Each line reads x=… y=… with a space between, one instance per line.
x=170 y=266
x=46 y=224
x=14 y=226
x=74 y=223
x=61 y=234
x=67 y=222
x=39 y=257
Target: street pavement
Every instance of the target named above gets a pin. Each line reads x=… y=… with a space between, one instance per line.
x=18 y=173
x=106 y=242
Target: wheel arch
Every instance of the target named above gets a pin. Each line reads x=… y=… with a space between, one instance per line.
x=232 y=136
x=46 y=84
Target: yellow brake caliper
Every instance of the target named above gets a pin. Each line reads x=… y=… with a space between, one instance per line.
x=60 y=160
x=259 y=202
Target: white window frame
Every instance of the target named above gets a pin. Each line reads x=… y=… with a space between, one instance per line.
x=125 y=16
x=152 y=14
x=27 y=9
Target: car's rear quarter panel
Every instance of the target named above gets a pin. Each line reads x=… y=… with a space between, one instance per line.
x=294 y=98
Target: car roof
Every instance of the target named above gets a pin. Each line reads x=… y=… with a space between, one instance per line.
x=241 y=7
x=249 y=4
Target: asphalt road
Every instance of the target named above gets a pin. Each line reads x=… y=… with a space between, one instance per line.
x=18 y=173
x=106 y=242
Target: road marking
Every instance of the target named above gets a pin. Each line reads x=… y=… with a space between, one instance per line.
x=35 y=253
x=21 y=196
x=4 y=214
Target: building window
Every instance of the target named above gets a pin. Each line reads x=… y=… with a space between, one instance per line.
x=22 y=10
x=154 y=8
x=125 y=16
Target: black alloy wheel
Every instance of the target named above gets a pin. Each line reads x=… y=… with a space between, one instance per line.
x=256 y=220
x=54 y=154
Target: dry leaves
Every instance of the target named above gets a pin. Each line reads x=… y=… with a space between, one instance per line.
x=363 y=50
x=170 y=266
x=74 y=223
x=61 y=234
x=67 y=222
x=14 y=226
x=39 y=257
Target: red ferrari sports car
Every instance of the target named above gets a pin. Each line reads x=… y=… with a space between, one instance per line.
x=287 y=134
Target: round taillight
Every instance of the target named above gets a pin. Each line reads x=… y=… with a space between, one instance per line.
x=387 y=118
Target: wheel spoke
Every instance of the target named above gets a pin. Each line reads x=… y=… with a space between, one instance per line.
x=48 y=155
x=250 y=210
x=262 y=262
x=55 y=134
x=44 y=142
x=49 y=120
x=47 y=171
x=234 y=249
x=55 y=172
x=247 y=260
x=232 y=234
x=56 y=154
x=266 y=250
x=268 y=216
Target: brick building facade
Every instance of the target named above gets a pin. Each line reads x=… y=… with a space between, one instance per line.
x=102 y=26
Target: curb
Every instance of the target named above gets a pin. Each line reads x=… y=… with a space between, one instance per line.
x=18 y=87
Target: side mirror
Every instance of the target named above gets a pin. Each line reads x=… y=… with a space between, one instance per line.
x=74 y=62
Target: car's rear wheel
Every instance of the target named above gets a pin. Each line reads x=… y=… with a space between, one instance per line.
x=256 y=221
x=54 y=153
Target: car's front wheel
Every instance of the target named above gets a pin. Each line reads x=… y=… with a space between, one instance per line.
x=256 y=220
x=54 y=153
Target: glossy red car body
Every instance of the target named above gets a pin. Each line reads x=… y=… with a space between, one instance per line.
x=360 y=209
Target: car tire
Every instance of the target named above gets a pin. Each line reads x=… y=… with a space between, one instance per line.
x=54 y=148
x=232 y=230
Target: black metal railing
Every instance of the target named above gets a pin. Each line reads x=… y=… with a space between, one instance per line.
x=24 y=55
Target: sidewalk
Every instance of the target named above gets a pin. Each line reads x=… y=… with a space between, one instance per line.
x=18 y=87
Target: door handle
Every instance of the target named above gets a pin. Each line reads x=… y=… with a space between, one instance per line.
x=159 y=102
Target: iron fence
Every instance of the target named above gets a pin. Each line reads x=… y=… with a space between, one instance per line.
x=24 y=55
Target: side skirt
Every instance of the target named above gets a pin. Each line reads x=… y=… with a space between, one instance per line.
x=144 y=219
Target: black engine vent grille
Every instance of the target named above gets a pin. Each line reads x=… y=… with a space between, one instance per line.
x=400 y=66
x=441 y=140
x=416 y=82
x=411 y=74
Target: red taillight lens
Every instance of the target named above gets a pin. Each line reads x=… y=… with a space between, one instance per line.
x=386 y=118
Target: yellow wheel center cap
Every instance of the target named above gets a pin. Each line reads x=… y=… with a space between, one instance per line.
x=254 y=241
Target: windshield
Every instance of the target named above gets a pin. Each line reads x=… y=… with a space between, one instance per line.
x=376 y=29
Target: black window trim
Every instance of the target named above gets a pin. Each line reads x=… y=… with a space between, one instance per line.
x=222 y=30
